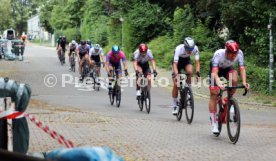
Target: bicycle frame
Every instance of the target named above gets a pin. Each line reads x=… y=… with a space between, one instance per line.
x=228 y=89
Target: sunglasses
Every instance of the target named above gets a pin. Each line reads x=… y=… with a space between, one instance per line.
x=189 y=49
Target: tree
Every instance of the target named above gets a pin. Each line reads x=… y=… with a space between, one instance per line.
x=5 y=18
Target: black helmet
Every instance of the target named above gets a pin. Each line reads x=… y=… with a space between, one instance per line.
x=88 y=42
x=82 y=42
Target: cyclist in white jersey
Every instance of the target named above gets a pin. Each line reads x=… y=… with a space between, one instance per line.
x=221 y=66
x=181 y=61
x=142 y=56
x=97 y=56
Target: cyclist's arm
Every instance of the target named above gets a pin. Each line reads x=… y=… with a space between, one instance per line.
x=197 y=66
x=68 y=50
x=102 y=56
x=153 y=64
x=124 y=61
x=196 y=54
x=125 y=65
x=175 y=70
x=107 y=64
x=243 y=75
x=215 y=76
x=242 y=67
x=175 y=62
x=135 y=65
x=78 y=54
x=152 y=59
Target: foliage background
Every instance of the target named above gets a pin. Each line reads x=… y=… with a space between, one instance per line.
x=161 y=23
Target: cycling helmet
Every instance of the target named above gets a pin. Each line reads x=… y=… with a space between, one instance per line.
x=97 y=47
x=143 y=48
x=231 y=46
x=73 y=42
x=189 y=44
x=82 y=42
x=88 y=42
x=115 y=49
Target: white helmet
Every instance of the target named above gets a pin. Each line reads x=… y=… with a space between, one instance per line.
x=74 y=42
x=97 y=46
x=189 y=43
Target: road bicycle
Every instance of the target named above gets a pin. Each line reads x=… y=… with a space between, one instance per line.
x=229 y=116
x=145 y=92
x=115 y=92
x=186 y=99
x=73 y=61
x=95 y=75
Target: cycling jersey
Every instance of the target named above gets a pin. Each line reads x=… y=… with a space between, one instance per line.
x=92 y=52
x=115 y=59
x=220 y=61
x=83 y=50
x=143 y=59
x=72 y=47
x=180 y=52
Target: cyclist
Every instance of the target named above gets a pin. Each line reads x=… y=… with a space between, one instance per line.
x=61 y=46
x=113 y=58
x=23 y=38
x=142 y=56
x=97 y=56
x=182 y=60
x=71 y=48
x=221 y=66
x=83 y=54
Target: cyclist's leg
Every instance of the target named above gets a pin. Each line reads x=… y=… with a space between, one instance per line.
x=82 y=58
x=189 y=72
x=138 y=81
x=63 y=54
x=147 y=72
x=213 y=108
x=232 y=77
x=59 y=52
x=110 y=75
x=180 y=66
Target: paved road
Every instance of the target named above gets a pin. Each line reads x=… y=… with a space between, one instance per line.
x=86 y=118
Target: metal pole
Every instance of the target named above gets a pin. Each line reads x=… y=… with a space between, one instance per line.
x=122 y=35
x=122 y=20
x=271 y=56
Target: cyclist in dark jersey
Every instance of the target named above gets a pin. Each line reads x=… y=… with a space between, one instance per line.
x=83 y=54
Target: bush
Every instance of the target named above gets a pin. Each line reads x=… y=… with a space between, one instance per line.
x=163 y=51
x=72 y=34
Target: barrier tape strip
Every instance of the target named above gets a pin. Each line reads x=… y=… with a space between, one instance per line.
x=15 y=115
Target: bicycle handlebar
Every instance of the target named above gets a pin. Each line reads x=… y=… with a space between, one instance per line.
x=142 y=74
x=233 y=87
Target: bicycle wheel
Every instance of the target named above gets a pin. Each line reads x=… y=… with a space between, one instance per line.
x=180 y=105
x=73 y=65
x=111 y=97
x=189 y=105
x=147 y=101
x=62 y=57
x=118 y=96
x=140 y=101
x=219 y=119
x=233 y=120
x=97 y=82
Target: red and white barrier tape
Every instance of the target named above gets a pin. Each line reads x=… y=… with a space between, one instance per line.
x=15 y=115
